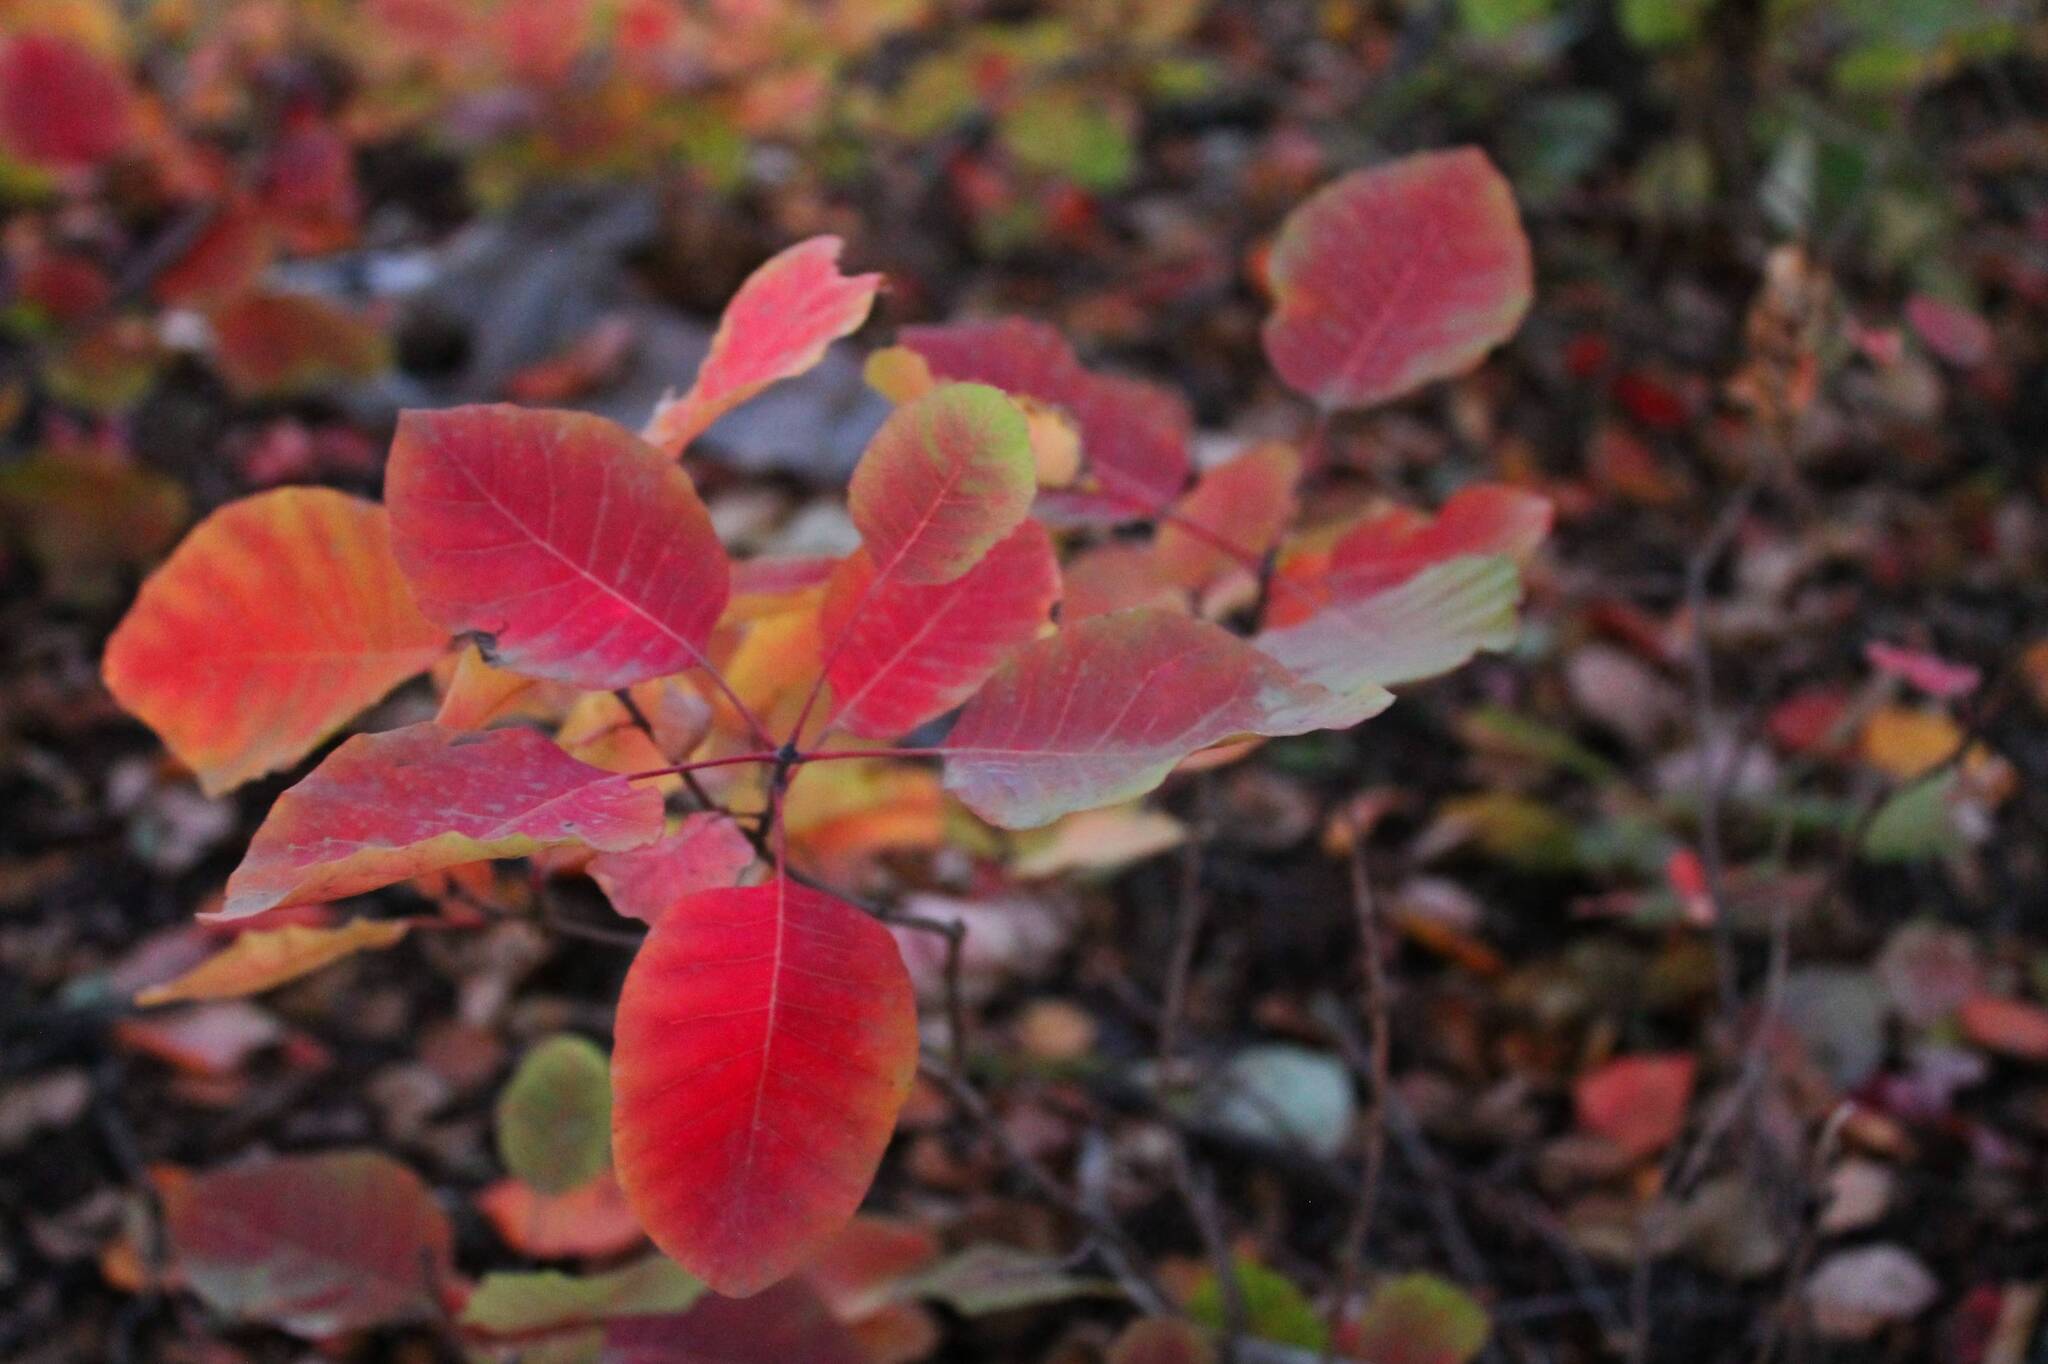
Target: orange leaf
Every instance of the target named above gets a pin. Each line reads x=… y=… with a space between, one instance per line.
x=263 y=959
x=278 y=619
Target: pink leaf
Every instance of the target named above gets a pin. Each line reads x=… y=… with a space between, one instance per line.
x=574 y=550
x=766 y=1037
x=1395 y=276
x=903 y=654
x=1134 y=435
x=388 y=807
x=1236 y=512
x=1951 y=331
x=944 y=479
x=776 y=327
x=317 y=1244
x=1929 y=672
x=1103 y=710
x=705 y=851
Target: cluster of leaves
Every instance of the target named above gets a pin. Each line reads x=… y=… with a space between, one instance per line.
x=767 y=1033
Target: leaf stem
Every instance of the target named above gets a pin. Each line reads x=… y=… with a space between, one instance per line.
x=701 y=764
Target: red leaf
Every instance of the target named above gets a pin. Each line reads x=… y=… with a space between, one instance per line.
x=61 y=105
x=1388 y=547
x=705 y=851
x=785 y=1325
x=776 y=326
x=315 y=1244
x=225 y=259
x=1434 y=622
x=765 y=1039
x=279 y=618
x=1103 y=710
x=1395 y=276
x=1235 y=512
x=387 y=807
x=578 y=551
x=1637 y=1102
x=1953 y=332
x=1134 y=435
x=944 y=479
x=905 y=654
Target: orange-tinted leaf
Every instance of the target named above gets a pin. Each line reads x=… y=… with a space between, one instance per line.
x=1103 y=710
x=776 y=326
x=273 y=345
x=1417 y=1319
x=1395 y=276
x=385 y=807
x=1637 y=1102
x=314 y=1244
x=1134 y=435
x=2011 y=1027
x=593 y=1220
x=574 y=550
x=1234 y=512
x=1432 y=623
x=840 y=813
x=1115 y=576
x=265 y=958
x=902 y=654
x=765 y=1039
x=61 y=105
x=706 y=851
x=478 y=694
x=788 y=1324
x=943 y=481
x=856 y=1271
x=279 y=618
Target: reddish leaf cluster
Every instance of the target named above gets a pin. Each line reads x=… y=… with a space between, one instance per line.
x=767 y=1035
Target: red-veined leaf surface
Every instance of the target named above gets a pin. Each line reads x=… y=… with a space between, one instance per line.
x=575 y=549
x=265 y=958
x=1397 y=275
x=776 y=327
x=1430 y=624
x=316 y=1245
x=1390 y=546
x=903 y=654
x=705 y=851
x=788 y=1324
x=944 y=479
x=1134 y=435
x=1234 y=513
x=278 y=619
x=62 y=106
x=387 y=807
x=766 y=1037
x=1101 y=712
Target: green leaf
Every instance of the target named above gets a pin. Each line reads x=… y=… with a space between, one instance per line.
x=1914 y=824
x=1064 y=131
x=510 y=1304
x=995 y=1278
x=1419 y=1319
x=1274 y=1309
x=555 y=1117
x=1663 y=23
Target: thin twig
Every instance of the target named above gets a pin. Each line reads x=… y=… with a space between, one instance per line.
x=1351 y=1250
